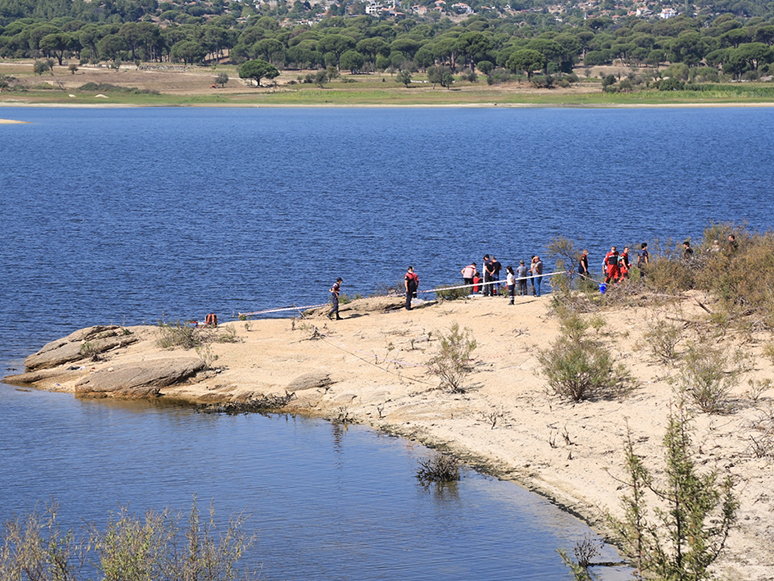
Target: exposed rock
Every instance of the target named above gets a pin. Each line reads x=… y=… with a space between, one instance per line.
x=135 y=380
x=314 y=380
x=70 y=348
x=42 y=375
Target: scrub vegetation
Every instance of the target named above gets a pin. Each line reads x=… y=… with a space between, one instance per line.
x=154 y=546
x=451 y=364
x=579 y=366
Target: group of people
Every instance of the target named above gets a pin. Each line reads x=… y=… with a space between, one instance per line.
x=515 y=282
x=616 y=265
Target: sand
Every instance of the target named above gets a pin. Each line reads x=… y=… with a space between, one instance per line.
x=505 y=423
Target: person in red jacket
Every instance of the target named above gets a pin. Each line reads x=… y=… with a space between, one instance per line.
x=624 y=266
x=611 y=265
x=411 y=281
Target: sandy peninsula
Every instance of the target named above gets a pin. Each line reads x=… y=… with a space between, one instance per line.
x=370 y=368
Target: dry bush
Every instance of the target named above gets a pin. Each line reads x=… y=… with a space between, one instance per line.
x=439 y=468
x=451 y=364
x=741 y=277
x=662 y=338
x=708 y=374
x=178 y=334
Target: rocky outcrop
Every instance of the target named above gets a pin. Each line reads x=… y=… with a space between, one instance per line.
x=42 y=376
x=137 y=380
x=314 y=380
x=78 y=345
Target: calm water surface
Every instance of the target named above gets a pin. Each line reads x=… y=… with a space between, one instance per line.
x=326 y=502
x=131 y=215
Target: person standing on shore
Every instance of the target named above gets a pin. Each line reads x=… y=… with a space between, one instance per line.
x=583 y=264
x=411 y=280
x=335 y=290
x=496 y=268
x=537 y=274
x=522 y=272
x=611 y=265
x=487 y=276
x=467 y=275
x=687 y=250
x=510 y=282
x=643 y=259
x=624 y=264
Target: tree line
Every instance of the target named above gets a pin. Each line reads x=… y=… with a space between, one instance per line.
x=730 y=44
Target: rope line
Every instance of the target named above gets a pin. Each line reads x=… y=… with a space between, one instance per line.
x=432 y=290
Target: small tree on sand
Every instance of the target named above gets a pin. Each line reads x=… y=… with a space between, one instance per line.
x=690 y=531
x=451 y=364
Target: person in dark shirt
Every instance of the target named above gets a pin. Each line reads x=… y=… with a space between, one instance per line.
x=583 y=264
x=335 y=290
x=643 y=259
x=687 y=250
x=487 y=290
x=496 y=268
x=522 y=272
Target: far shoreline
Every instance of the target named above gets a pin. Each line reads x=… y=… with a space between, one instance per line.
x=493 y=105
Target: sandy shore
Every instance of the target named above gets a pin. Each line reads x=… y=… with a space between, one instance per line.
x=7 y=121
x=505 y=423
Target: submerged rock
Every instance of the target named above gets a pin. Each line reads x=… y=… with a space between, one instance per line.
x=136 y=380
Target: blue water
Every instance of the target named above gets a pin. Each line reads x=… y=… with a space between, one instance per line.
x=325 y=501
x=134 y=214
x=131 y=215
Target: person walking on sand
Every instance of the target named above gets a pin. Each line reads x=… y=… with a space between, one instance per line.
x=467 y=275
x=537 y=274
x=522 y=272
x=583 y=264
x=411 y=281
x=335 y=290
x=510 y=282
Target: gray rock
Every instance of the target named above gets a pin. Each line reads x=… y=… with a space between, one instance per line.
x=70 y=348
x=42 y=375
x=316 y=379
x=136 y=380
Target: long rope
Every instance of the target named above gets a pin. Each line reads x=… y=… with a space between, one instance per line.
x=481 y=284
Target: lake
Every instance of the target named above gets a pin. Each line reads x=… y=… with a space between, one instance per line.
x=136 y=215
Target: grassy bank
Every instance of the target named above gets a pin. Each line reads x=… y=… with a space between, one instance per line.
x=193 y=87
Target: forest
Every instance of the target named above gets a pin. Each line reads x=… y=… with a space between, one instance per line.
x=705 y=43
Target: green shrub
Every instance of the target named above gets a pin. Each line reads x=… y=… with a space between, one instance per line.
x=685 y=538
x=662 y=338
x=159 y=545
x=449 y=293
x=173 y=335
x=707 y=376
x=579 y=368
